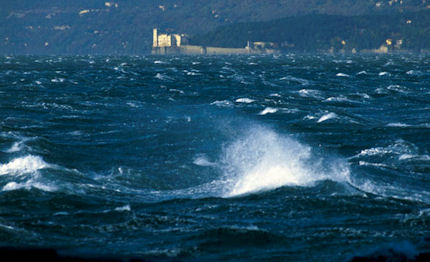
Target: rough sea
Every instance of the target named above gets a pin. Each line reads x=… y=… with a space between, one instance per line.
x=216 y=158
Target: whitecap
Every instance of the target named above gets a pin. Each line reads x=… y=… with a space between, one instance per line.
x=400 y=147
x=338 y=99
x=406 y=156
x=310 y=93
x=384 y=74
x=176 y=90
x=17 y=146
x=389 y=63
x=414 y=157
x=192 y=73
x=57 y=80
x=131 y=104
x=342 y=75
x=163 y=77
x=364 y=163
x=397 y=88
x=264 y=160
x=363 y=95
x=414 y=73
x=11 y=186
x=326 y=117
x=362 y=73
x=123 y=208
x=222 y=103
x=309 y=117
x=373 y=152
x=301 y=81
x=268 y=110
x=244 y=100
x=7 y=227
x=22 y=165
x=398 y=125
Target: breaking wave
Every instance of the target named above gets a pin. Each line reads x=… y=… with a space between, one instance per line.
x=265 y=160
x=23 y=165
x=327 y=117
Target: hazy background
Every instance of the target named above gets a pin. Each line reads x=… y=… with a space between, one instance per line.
x=125 y=27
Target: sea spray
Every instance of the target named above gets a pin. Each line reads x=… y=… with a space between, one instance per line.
x=22 y=165
x=264 y=160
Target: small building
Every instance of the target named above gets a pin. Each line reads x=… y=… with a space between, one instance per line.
x=262 y=45
x=166 y=40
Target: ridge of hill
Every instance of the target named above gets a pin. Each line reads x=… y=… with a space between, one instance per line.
x=397 y=32
x=125 y=27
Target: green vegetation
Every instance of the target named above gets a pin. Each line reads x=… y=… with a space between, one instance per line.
x=410 y=31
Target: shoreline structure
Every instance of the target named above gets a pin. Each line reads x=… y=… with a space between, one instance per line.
x=166 y=44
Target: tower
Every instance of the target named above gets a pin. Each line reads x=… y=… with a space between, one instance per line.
x=155 y=38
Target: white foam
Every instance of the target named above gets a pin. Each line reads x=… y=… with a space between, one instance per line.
x=264 y=160
x=364 y=163
x=131 y=104
x=268 y=110
x=398 y=125
x=309 y=117
x=163 y=77
x=57 y=80
x=397 y=88
x=363 y=95
x=223 y=103
x=123 y=208
x=17 y=146
x=192 y=73
x=406 y=156
x=11 y=186
x=7 y=227
x=327 y=117
x=176 y=91
x=202 y=160
x=22 y=165
x=296 y=79
x=414 y=72
x=342 y=75
x=338 y=99
x=384 y=74
x=414 y=157
x=244 y=100
x=400 y=149
x=310 y=93
x=373 y=152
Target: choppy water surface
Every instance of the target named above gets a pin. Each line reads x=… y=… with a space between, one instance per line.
x=216 y=158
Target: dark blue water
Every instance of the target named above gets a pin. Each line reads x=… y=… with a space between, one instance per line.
x=264 y=158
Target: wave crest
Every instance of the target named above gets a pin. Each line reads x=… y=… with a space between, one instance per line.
x=23 y=165
x=264 y=160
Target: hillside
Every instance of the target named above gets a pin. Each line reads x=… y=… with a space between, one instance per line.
x=405 y=31
x=124 y=27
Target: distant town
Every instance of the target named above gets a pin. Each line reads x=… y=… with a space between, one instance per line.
x=164 y=44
